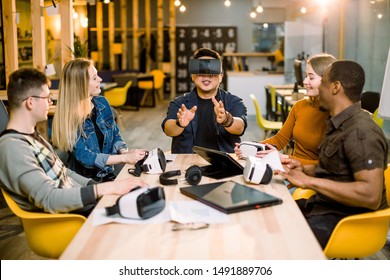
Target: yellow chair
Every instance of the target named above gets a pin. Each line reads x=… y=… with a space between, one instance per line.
x=153 y=86
x=47 y=234
x=275 y=105
x=264 y=124
x=360 y=235
x=118 y=95
x=387 y=183
x=300 y=193
x=377 y=119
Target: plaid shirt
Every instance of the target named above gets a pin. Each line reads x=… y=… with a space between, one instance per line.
x=49 y=161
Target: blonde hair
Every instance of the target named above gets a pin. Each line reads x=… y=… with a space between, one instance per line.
x=320 y=62
x=73 y=104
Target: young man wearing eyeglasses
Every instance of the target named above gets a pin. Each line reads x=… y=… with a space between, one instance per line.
x=208 y=116
x=30 y=170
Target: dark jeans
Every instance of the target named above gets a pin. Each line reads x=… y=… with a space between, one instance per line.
x=321 y=225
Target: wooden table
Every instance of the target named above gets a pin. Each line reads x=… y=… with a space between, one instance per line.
x=276 y=232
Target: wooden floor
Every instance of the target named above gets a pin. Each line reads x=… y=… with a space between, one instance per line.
x=140 y=129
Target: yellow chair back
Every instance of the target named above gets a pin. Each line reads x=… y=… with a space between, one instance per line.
x=360 y=235
x=387 y=183
x=377 y=119
x=158 y=78
x=117 y=96
x=300 y=193
x=47 y=234
x=264 y=124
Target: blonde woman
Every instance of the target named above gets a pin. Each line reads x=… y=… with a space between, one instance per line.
x=84 y=124
x=306 y=123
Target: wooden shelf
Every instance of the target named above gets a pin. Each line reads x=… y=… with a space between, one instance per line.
x=239 y=61
x=258 y=54
x=25 y=40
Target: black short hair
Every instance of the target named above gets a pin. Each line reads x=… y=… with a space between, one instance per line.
x=350 y=75
x=23 y=83
x=206 y=52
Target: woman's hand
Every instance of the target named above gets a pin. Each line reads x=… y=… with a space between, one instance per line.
x=263 y=153
x=237 y=150
x=135 y=155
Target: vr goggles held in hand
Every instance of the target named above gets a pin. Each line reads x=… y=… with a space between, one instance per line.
x=204 y=66
x=248 y=148
x=154 y=162
x=139 y=203
x=256 y=171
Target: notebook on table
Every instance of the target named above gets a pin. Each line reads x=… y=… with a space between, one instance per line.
x=222 y=165
x=230 y=197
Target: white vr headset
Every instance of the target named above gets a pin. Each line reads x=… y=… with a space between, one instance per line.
x=154 y=162
x=256 y=171
x=248 y=148
x=139 y=203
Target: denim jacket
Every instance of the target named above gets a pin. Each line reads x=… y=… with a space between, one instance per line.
x=184 y=142
x=86 y=151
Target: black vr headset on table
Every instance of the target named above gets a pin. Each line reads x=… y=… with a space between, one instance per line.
x=139 y=203
x=205 y=66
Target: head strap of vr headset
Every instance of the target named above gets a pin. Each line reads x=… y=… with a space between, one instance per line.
x=114 y=209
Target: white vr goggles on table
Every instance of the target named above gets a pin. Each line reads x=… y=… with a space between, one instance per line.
x=249 y=148
x=257 y=171
x=139 y=203
x=154 y=162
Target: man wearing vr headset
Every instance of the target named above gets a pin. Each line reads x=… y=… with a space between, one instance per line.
x=30 y=170
x=208 y=116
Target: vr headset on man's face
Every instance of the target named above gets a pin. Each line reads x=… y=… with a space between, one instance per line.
x=205 y=66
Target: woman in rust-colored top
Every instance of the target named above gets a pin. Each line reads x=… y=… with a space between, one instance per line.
x=306 y=124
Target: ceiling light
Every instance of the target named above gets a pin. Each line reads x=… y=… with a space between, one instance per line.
x=182 y=8
x=106 y=1
x=379 y=15
x=303 y=10
x=227 y=3
x=252 y=14
x=177 y=3
x=259 y=9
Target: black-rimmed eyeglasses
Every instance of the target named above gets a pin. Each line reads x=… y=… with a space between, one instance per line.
x=48 y=98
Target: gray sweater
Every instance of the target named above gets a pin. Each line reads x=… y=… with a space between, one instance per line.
x=37 y=179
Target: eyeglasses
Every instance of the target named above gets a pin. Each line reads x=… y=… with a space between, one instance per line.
x=48 y=98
